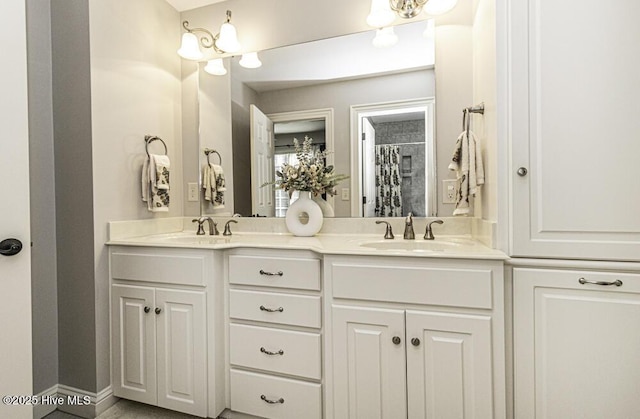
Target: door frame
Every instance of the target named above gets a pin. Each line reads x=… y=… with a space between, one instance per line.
x=323 y=113
x=360 y=111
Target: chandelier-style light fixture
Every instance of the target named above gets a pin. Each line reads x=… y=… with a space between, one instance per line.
x=226 y=41
x=384 y=12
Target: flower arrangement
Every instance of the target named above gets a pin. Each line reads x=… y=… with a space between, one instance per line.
x=309 y=174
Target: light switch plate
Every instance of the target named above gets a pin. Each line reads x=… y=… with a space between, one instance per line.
x=192 y=195
x=345 y=194
x=449 y=191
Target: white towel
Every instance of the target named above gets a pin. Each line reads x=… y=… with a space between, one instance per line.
x=214 y=185
x=155 y=183
x=467 y=163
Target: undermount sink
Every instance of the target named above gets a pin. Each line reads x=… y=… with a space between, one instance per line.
x=417 y=245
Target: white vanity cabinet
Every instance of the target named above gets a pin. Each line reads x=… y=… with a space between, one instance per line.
x=159 y=327
x=576 y=343
x=275 y=320
x=415 y=338
x=573 y=84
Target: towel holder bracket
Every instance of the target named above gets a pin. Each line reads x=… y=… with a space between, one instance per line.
x=209 y=151
x=148 y=139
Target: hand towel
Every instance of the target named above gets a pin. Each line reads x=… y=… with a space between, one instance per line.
x=214 y=185
x=155 y=183
x=467 y=163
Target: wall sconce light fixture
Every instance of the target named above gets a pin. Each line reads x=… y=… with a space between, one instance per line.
x=226 y=41
x=384 y=12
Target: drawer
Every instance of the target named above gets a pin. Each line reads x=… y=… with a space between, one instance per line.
x=161 y=266
x=296 y=310
x=442 y=286
x=579 y=279
x=289 y=352
x=292 y=399
x=278 y=272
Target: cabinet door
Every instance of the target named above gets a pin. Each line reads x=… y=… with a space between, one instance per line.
x=449 y=368
x=576 y=345
x=182 y=364
x=369 y=369
x=133 y=345
x=573 y=89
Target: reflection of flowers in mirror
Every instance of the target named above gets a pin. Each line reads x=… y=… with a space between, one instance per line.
x=310 y=173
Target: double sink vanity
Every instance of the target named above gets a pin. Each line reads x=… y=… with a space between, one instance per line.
x=342 y=324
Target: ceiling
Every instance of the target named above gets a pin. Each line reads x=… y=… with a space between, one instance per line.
x=182 y=5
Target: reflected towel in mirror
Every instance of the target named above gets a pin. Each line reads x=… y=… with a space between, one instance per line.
x=214 y=185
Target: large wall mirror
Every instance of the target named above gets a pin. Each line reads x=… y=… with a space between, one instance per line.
x=347 y=88
x=338 y=91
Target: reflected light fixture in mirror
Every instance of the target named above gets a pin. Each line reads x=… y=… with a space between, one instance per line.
x=226 y=41
x=250 y=60
x=385 y=37
x=215 y=67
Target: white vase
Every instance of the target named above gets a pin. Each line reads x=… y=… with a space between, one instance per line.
x=327 y=209
x=304 y=216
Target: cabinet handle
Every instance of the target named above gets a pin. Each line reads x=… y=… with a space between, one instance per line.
x=279 y=273
x=522 y=171
x=272 y=310
x=617 y=282
x=147 y=309
x=415 y=342
x=396 y=340
x=264 y=351
x=158 y=310
x=279 y=401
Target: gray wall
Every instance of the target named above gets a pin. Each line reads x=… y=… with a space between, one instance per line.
x=43 y=209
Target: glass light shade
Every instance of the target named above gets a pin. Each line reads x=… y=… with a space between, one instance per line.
x=381 y=14
x=215 y=67
x=385 y=37
x=438 y=7
x=228 y=39
x=189 y=49
x=250 y=60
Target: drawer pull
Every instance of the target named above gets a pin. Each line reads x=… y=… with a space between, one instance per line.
x=279 y=401
x=272 y=310
x=279 y=273
x=617 y=282
x=264 y=351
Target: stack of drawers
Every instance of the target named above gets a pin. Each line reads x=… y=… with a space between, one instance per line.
x=274 y=334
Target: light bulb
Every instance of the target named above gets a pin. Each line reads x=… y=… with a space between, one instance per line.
x=189 y=49
x=228 y=38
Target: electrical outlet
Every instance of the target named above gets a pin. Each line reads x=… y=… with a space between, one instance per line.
x=449 y=191
x=345 y=194
x=192 y=188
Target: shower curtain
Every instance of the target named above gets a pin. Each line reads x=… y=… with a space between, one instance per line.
x=388 y=181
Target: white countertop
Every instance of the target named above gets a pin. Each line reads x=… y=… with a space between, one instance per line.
x=458 y=247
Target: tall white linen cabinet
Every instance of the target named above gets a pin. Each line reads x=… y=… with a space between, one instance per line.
x=570 y=93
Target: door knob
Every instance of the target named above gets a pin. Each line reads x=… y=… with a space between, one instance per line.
x=147 y=309
x=396 y=340
x=522 y=171
x=158 y=310
x=10 y=247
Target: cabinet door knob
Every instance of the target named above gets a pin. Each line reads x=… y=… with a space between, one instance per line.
x=10 y=247
x=396 y=340
x=415 y=342
x=147 y=309
x=522 y=171
x=158 y=310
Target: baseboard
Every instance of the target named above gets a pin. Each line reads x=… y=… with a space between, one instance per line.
x=41 y=410
x=75 y=401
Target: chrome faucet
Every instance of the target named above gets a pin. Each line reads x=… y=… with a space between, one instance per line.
x=213 y=226
x=388 y=234
x=428 y=234
x=227 y=227
x=408 y=228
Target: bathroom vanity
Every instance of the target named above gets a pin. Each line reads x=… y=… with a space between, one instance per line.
x=332 y=326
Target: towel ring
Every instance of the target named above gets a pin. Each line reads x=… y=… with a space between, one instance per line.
x=208 y=152
x=149 y=139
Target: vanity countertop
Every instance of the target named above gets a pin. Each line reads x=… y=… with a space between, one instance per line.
x=456 y=247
